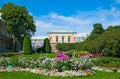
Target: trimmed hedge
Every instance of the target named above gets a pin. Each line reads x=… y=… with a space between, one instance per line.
x=27 y=48
x=47 y=47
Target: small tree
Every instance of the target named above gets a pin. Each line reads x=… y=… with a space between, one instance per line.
x=47 y=47
x=27 y=49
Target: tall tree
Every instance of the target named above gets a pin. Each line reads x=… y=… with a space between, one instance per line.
x=90 y=44
x=17 y=20
x=98 y=29
x=46 y=46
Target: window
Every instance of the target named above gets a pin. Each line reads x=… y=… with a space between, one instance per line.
x=83 y=38
x=68 y=39
x=56 y=39
x=78 y=39
x=62 y=39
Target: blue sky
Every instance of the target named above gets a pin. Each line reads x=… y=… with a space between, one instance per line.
x=74 y=15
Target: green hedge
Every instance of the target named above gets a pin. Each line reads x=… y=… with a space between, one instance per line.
x=27 y=48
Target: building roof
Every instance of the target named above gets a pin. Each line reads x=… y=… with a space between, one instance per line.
x=39 y=37
x=62 y=31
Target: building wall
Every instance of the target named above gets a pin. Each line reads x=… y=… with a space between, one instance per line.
x=6 y=42
x=52 y=38
x=37 y=42
x=81 y=37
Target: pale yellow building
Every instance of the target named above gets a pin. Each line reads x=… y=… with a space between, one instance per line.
x=61 y=36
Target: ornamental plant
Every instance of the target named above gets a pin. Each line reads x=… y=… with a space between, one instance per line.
x=27 y=48
x=62 y=63
x=46 y=46
x=61 y=56
x=75 y=54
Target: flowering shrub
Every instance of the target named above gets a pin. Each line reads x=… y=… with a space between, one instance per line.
x=58 y=66
x=61 y=56
x=47 y=63
x=89 y=55
x=75 y=54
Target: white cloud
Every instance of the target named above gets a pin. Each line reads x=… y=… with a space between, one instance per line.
x=81 y=22
x=118 y=1
x=44 y=27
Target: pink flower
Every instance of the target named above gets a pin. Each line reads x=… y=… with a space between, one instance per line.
x=61 y=56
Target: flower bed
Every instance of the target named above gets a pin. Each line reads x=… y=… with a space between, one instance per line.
x=61 y=65
x=53 y=72
x=105 y=69
x=89 y=55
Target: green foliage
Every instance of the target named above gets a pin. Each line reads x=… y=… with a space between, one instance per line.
x=69 y=53
x=63 y=65
x=46 y=46
x=18 y=21
x=45 y=63
x=98 y=29
x=106 y=42
x=65 y=46
x=109 y=62
x=27 y=48
x=39 y=50
x=111 y=42
x=90 y=43
x=9 y=54
x=75 y=54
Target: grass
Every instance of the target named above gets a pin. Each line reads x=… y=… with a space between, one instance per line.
x=49 y=55
x=28 y=75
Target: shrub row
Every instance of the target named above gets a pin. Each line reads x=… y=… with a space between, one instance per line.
x=107 y=62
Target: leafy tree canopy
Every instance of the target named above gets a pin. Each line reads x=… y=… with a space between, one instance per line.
x=17 y=20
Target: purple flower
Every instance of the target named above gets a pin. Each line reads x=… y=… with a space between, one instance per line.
x=61 y=56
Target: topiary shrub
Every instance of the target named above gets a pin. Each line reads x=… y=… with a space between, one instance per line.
x=46 y=46
x=27 y=48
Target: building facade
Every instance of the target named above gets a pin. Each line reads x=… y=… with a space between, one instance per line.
x=81 y=37
x=6 y=41
x=58 y=36
x=37 y=41
x=61 y=36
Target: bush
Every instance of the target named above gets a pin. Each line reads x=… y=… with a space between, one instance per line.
x=47 y=63
x=39 y=50
x=27 y=48
x=8 y=54
x=65 y=46
x=107 y=62
x=69 y=53
x=107 y=43
x=46 y=46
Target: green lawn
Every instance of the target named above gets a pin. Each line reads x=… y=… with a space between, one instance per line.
x=27 y=75
x=50 y=55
